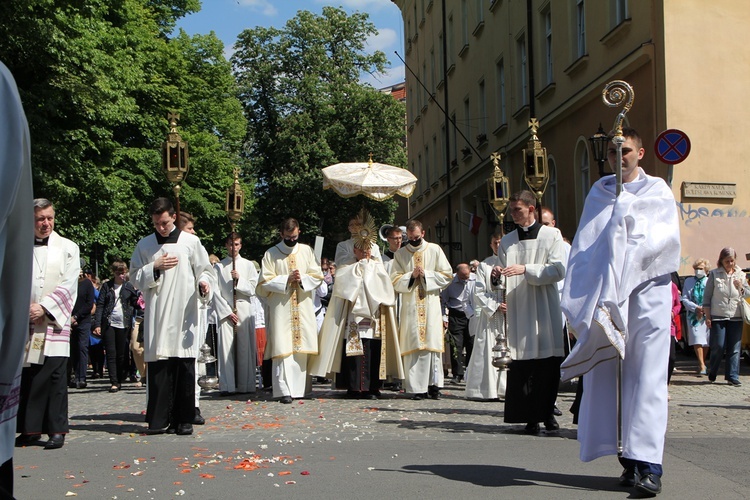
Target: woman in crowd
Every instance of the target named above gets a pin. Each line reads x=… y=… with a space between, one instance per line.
x=726 y=287
x=692 y=300
x=114 y=321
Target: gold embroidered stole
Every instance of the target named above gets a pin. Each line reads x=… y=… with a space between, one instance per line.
x=383 y=332
x=421 y=308
x=296 y=328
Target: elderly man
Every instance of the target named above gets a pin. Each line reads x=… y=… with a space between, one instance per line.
x=458 y=299
x=172 y=269
x=44 y=389
x=420 y=271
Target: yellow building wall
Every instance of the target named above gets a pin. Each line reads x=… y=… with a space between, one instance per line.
x=706 y=77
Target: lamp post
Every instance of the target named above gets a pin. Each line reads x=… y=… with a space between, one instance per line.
x=175 y=158
x=536 y=172
x=599 y=142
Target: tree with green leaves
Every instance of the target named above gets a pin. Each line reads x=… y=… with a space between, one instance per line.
x=306 y=110
x=97 y=79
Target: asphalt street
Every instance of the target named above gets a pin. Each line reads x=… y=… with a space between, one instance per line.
x=330 y=447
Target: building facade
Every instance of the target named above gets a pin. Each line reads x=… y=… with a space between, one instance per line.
x=486 y=67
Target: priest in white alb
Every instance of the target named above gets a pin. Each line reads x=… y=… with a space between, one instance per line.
x=345 y=249
x=290 y=274
x=171 y=268
x=238 y=350
x=420 y=271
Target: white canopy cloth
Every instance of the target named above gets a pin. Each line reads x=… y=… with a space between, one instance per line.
x=377 y=181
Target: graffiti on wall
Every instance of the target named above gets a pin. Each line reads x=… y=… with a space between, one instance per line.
x=690 y=213
x=705 y=230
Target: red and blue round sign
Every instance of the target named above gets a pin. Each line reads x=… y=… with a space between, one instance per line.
x=672 y=146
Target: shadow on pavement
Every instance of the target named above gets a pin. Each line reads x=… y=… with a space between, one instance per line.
x=473 y=427
x=499 y=475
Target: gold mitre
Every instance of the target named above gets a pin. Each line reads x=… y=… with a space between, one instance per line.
x=367 y=233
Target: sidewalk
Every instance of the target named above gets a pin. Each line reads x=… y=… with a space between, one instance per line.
x=329 y=447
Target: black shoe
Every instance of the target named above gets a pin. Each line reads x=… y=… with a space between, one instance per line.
x=531 y=429
x=55 y=441
x=184 y=429
x=419 y=396
x=368 y=395
x=287 y=400
x=72 y=383
x=198 y=418
x=649 y=485
x=153 y=432
x=735 y=383
x=27 y=439
x=376 y=393
x=711 y=377
x=81 y=385
x=172 y=429
x=629 y=477
x=551 y=424
x=556 y=411
x=456 y=380
x=434 y=392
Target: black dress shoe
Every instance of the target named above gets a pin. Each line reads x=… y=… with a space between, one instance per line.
x=198 y=418
x=649 y=485
x=551 y=424
x=556 y=411
x=287 y=400
x=434 y=392
x=27 y=439
x=629 y=477
x=184 y=429
x=531 y=429
x=419 y=396
x=55 y=441
x=81 y=385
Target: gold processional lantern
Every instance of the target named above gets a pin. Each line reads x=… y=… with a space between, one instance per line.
x=498 y=189
x=175 y=158
x=536 y=172
x=498 y=196
x=235 y=203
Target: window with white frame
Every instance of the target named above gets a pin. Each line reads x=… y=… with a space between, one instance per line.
x=500 y=97
x=464 y=23
x=467 y=118
x=523 y=89
x=482 y=115
x=621 y=11
x=580 y=28
x=547 y=15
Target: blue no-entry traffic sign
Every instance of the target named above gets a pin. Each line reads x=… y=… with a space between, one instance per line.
x=672 y=146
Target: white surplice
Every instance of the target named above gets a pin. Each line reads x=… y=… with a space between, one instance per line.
x=534 y=317
x=171 y=318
